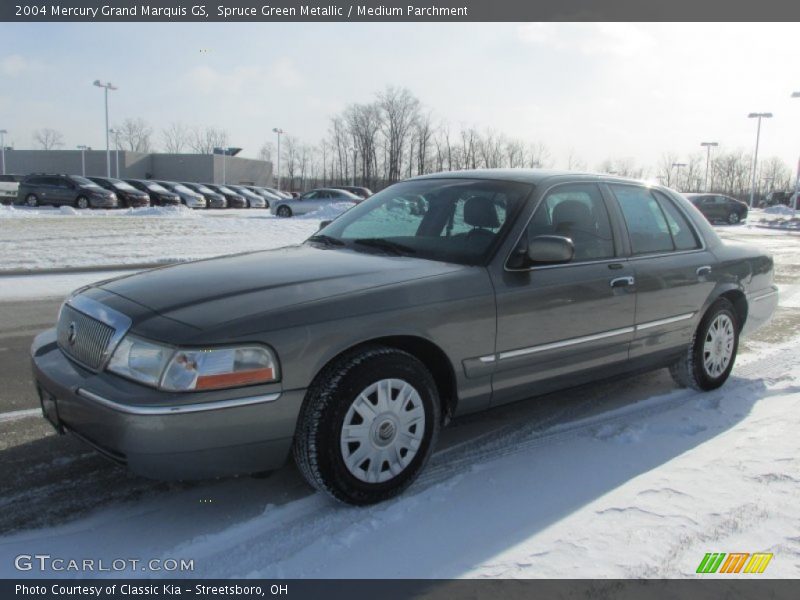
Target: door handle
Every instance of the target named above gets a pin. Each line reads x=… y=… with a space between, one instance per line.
x=704 y=270
x=622 y=282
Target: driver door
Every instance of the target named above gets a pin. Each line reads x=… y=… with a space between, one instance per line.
x=558 y=320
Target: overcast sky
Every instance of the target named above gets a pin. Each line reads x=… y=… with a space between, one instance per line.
x=602 y=90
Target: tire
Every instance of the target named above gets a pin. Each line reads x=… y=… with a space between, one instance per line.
x=733 y=218
x=284 y=211
x=31 y=201
x=375 y=457
x=703 y=366
x=82 y=202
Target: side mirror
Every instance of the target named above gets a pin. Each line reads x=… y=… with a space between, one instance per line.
x=324 y=224
x=552 y=249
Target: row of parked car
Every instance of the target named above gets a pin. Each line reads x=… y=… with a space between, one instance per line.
x=107 y=192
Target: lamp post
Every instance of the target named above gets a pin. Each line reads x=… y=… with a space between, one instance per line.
x=3 y=133
x=116 y=133
x=225 y=152
x=677 y=167
x=106 y=86
x=279 y=131
x=759 y=116
x=83 y=150
x=797 y=178
x=708 y=146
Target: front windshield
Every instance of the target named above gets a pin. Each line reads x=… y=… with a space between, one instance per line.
x=155 y=187
x=182 y=189
x=451 y=220
x=225 y=190
x=121 y=185
x=203 y=189
x=83 y=182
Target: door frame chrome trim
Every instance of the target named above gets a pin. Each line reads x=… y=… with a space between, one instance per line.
x=565 y=343
x=176 y=409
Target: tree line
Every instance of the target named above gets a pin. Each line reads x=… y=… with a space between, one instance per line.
x=394 y=136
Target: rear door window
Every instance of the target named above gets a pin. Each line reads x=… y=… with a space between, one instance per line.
x=683 y=235
x=647 y=226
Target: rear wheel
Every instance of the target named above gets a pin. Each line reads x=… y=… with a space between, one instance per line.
x=708 y=361
x=368 y=425
x=733 y=218
x=82 y=202
x=284 y=211
x=31 y=200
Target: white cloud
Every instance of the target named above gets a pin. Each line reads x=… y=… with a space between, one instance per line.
x=619 y=39
x=15 y=64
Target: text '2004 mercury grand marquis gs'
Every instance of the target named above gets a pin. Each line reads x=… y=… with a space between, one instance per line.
x=439 y=296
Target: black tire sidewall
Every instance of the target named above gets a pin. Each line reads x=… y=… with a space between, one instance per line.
x=395 y=365
x=78 y=202
x=704 y=380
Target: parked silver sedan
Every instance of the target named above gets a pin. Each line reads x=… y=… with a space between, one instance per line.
x=189 y=197
x=311 y=201
x=253 y=200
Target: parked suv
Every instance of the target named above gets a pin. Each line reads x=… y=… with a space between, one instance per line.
x=716 y=207
x=65 y=190
x=159 y=195
x=126 y=194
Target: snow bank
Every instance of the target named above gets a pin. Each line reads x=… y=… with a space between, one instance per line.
x=778 y=209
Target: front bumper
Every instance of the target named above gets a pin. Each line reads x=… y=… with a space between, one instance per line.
x=165 y=435
x=103 y=202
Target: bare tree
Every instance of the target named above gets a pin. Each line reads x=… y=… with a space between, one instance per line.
x=574 y=162
x=291 y=158
x=48 y=139
x=204 y=140
x=400 y=109
x=266 y=151
x=176 y=137
x=135 y=135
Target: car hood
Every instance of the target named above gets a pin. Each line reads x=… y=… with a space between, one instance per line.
x=210 y=293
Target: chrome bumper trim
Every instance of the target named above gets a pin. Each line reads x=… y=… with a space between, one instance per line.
x=138 y=409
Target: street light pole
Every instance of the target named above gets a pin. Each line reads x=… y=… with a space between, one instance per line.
x=106 y=86
x=759 y=116
x=708 y=146
x=3 y=133
x=83 y=150
x=116 y=133
x=797 y=178
x=279 y=131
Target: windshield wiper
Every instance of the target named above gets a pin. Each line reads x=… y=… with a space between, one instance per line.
x=387 y=245
x=326 y=239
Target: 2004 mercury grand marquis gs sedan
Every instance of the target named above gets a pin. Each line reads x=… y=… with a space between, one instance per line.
x=439 y=296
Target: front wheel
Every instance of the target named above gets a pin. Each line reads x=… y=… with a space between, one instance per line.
x=708 y=361
x=82 y=202
x=368 y=425
x=733 y=218
x=31 y=200
x=284 y=211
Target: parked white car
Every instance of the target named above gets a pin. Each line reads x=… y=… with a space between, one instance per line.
x=311 y=201
x=9 y=185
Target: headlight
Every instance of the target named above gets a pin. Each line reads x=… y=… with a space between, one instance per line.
x=140 y=360
x=210 y=369
x=183 y=370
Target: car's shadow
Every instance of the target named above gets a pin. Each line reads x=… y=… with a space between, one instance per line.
x=56 y=480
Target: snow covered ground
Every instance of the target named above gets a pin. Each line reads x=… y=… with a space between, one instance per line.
x=51 y=238
x=644 y=490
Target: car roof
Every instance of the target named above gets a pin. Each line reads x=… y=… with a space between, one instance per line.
x=523 y=175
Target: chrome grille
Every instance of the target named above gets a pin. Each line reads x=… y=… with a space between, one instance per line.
x=83 y=338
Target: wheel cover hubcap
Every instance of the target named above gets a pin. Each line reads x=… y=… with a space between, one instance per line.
x=718 y=346
x=382 y=431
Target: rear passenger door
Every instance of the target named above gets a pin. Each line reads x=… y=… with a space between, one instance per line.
x=672 y=268
x=554 y=321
